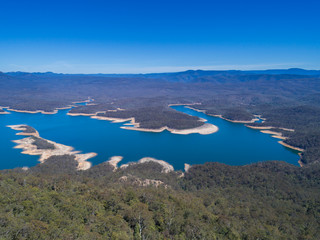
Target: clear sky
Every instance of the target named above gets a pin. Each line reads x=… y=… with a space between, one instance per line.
x=117 y=36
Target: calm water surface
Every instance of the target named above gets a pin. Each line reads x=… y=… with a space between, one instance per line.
x=233 y=144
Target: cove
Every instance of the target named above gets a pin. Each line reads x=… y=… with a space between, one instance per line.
x=233 y=144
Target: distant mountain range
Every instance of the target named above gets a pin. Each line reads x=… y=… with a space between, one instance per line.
x=186 y=76
x=293 y=71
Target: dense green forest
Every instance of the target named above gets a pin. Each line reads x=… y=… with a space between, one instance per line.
x=270 y=200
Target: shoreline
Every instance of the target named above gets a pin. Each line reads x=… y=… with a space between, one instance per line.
x=263 y=129
x=205 y=129
x=4 y=112
x=81 y=114
x=23 y=128
x=33 y=112
x=220 y=116
x=84 y=101
x=181 y=104
x=187 y=167
x=64 y=108
x=166 y=167
x=296 y=149
x=197 y=110
x=300 y=162
x=259 y=128
x=113 y=161
x=240 y=121
x=55 y=111
x=117 y=120
x=251 y=121
x=291 y=147
x=27 y=146
x=234 y=121
x=274 y=134
x=95 y=114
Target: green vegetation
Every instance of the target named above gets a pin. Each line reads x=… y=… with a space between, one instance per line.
x=271 y=200
x=28 y=129
x=42 y=143
x=157 y=118
x=305 y=120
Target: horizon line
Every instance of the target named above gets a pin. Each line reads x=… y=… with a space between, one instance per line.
x=146 y=73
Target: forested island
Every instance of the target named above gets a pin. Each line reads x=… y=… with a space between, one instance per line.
x=269 y=200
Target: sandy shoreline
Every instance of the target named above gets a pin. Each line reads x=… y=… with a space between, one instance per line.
x=166 y=167
x=187 y=167
x=81 y=114
x=274 y=134
x=33 y=112
x=84 y=101
x=181 y=104
x=118 y=120
x=64 y=108
x=300 y=162
x=251 y=121
x=4 y=112
x=239 y=121
x=205 y=129
x=287 y=129
x=96 y=113
x=280 y=136
x=26 y=144
x=197 y=110
x=259 y=128
x=234 y=121
x=22 y=128
x=113 y=161
x=292 y=147
x=277 y=135
x=220 y=116
x=55 y=111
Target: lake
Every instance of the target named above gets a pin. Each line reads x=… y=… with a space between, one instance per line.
x=233 y=144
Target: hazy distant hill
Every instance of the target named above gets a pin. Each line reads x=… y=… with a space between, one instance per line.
x=196 y=74
x=189 y=75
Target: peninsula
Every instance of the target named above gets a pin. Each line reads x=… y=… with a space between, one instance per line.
x=35 y=145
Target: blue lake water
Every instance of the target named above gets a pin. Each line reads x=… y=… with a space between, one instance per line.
x=233 y=144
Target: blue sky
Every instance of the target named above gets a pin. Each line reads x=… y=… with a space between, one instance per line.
x=157 y=36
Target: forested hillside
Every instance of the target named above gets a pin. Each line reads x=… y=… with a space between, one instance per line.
x=271 y=200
